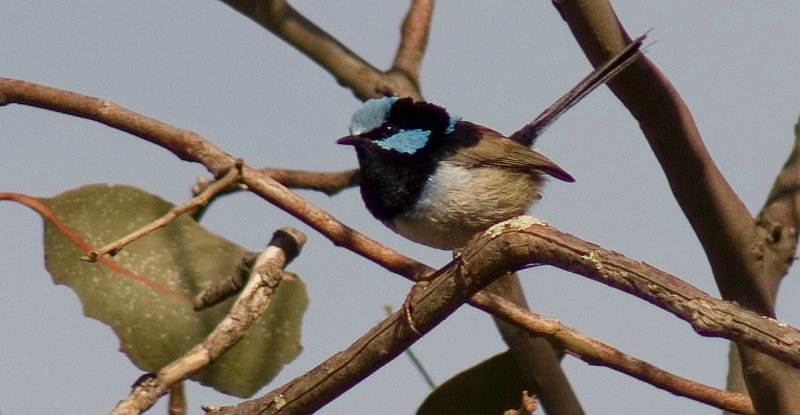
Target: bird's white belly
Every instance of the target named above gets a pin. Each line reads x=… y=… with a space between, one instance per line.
x=458 y=202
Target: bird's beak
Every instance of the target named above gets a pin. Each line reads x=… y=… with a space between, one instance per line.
x=350 y=140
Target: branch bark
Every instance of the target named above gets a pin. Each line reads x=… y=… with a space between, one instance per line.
x=506 y=247
x=724 y=226
x=253 y=301
x=349 y=69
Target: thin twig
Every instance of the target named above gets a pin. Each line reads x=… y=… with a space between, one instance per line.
x=254 y=300
x=177 y=400
x=225 y=288
x=202 y=199
x=527 y=406
x=329 y=183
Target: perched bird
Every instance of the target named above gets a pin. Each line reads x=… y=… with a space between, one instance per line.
x=438 y=180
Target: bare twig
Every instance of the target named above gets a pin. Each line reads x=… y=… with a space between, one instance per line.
x=329 y=183
x=527 y=406
x=177 y=400
x=254 y=300
x=349 y=69
x=227 y=286
x=202 y=199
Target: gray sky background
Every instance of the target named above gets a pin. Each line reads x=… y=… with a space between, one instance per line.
x=201 y=66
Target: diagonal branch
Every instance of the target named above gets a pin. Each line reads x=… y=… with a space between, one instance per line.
x=349 y=69
x=720 y=219
x=512 y=245
x=252 y=302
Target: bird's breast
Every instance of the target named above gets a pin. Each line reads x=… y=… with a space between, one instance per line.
x=456 y=202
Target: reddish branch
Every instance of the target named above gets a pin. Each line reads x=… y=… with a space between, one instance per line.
x=190 y=146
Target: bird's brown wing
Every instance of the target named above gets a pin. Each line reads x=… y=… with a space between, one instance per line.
x=496 y=150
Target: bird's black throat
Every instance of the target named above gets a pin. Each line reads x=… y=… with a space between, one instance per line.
x=392 y=185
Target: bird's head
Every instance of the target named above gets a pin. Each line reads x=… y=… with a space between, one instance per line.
x=399 y=125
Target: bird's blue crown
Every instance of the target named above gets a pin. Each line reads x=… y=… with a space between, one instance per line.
x=371 y=115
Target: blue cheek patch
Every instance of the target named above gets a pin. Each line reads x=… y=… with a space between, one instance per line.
x=371 y=115
x=405 y=141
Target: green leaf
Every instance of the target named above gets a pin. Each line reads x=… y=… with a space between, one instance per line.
x=490 y=387
x=145 y=292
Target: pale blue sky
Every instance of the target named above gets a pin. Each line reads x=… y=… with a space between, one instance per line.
x=201 y=66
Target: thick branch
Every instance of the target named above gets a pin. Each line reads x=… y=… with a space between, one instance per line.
x=733 y=245
x=525 y=241
x=512 y=245
x=720 y=219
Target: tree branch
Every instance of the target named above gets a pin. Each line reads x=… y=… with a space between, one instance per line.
x=724 y=226
x=190 y=146
x=329 y=183
x=252 y=302
x=512 y=245
x=349 y=69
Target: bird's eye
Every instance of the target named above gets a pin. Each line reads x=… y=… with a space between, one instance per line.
x=389 y=130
